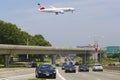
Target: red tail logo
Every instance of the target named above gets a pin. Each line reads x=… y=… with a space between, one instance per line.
x=42 y=8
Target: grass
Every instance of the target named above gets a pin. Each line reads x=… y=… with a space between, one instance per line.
x=1 y=66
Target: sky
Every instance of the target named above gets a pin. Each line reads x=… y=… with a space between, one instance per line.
x=92 y=20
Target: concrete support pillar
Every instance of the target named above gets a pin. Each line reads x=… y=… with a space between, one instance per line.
x=54 y=59
x=6 y=58
x=96 y=57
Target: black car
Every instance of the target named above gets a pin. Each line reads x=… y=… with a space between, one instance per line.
x=77 y=63
x=70 y=68
x=45 y=70
x=63 y=66
x=83 y=67
x=71 y=63
x=32 y=64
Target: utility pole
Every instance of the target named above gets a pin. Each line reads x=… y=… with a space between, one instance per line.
x=85 y=56
x=119 y=57
x=100 y=56
x=27 y=53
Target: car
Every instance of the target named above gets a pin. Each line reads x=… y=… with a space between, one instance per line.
x=77 y=63
x=83 y=67
x=45 y=70
x=71 y=63
x=70 y=68
x=32 y=64
x=63 y=66
x=97 y=67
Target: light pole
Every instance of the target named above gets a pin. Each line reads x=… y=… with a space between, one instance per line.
x=86 y=56
x=96 y=47
x=100 y=56
x=96 y=51
x=46 y=58
x=27 y=53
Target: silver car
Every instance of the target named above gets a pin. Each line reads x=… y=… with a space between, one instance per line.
x=97 y=67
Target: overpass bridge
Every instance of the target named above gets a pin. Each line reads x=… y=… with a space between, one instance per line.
x=8 y=50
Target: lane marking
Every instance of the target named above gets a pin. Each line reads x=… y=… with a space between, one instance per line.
x=17 y=76
x=60 y=75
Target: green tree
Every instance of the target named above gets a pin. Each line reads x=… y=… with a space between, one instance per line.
x=40 y=41
x=8 y=33
x=11 y=34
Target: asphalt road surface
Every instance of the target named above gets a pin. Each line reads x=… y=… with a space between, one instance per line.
x=105 y=75
x=17 y=73
x=27 y=73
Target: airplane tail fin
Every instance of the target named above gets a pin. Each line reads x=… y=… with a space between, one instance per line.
x=39 y=4
x=41 y=8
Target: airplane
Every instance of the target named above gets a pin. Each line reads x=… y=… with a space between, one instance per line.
x=55 y=10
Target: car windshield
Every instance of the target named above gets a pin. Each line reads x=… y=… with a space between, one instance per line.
x=46 y=67
x=97 y=65
x=84 y=65
x=70 y=66
x=64 y=64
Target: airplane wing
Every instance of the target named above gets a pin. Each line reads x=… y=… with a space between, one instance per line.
x=59 y=11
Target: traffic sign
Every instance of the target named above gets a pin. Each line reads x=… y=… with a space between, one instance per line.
x=113 y=49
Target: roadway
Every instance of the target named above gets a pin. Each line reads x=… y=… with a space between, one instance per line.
x=105 y=75
x=27 y=73
x=16 y=73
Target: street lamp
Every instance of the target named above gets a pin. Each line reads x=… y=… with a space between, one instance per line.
x=96 y=50
x=96 y=37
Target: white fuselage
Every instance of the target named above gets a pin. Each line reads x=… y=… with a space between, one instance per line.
x=56 y=10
